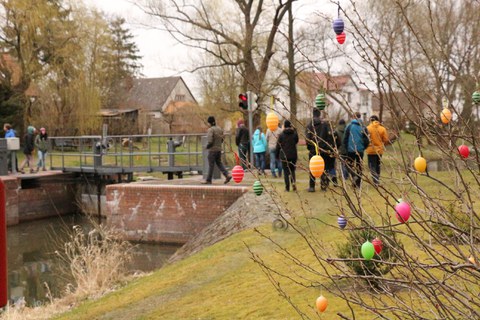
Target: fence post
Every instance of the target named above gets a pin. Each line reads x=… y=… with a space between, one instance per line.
x=3 y=247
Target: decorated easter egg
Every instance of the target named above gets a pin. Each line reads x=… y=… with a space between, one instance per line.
x=257 y=188
x=238 y=173
x=342 y=222
x=272 y=121
x=317 y=166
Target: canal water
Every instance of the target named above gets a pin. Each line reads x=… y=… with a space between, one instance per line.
x=32 y=263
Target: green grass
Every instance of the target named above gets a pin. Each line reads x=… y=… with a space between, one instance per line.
x=223 y=282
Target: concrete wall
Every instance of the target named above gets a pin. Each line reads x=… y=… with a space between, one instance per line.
x=36 y=197
x=166 y=213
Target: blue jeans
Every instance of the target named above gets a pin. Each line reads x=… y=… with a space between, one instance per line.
x=42 y=159
x=275 y=164
x=260 y=161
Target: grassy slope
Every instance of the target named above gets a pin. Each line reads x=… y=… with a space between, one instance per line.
x=222 y=281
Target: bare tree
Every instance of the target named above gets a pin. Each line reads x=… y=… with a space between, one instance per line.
x=431 y=270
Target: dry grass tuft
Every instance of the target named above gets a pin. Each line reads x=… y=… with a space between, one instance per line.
x=96 y=261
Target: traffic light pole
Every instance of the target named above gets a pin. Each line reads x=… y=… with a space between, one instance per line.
x=250 y=128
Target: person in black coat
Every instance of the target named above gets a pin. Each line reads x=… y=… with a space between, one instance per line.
x=242 y=139
x=286 y=151
x=312 y=135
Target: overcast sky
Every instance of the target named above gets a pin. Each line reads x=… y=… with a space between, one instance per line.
x=162 y=56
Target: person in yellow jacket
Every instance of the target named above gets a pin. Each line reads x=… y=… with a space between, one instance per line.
x=378 y=140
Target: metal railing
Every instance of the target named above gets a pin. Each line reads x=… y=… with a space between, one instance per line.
x=171 y=153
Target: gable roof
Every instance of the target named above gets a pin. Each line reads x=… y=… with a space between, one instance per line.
x=320 y=80
x=147 y=93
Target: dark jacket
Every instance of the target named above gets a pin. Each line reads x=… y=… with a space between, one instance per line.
x=328 y=138
x=41 y=142
x=287 y=145
x=312 y=134
x=340 y=131
x=29 y=143
x=214 y=138
x=242 y=136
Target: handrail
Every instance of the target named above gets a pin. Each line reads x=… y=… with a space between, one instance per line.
x=130 y=153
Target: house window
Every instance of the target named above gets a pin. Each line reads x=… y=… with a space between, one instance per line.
x=180 y=97
x=364 y=99
x=349 y=97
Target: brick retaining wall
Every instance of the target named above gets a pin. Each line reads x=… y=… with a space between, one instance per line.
x=38 y=196
x=166 y=213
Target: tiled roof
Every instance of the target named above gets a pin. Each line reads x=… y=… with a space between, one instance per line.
x=325 y=81
x=145 y=93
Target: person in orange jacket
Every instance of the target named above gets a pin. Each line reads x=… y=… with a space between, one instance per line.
x=378 y=140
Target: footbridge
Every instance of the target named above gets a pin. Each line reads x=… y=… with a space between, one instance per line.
x=123 y=155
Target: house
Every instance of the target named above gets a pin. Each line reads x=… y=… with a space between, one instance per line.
x=151 y=97
x=344 y=96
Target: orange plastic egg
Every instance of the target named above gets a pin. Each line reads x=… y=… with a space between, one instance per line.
x=272 y=121
x=317 y=166
x=446 y=116
x=321 y=303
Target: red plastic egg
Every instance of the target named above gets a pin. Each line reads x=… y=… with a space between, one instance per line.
x=377 y=245
x=238 y=173
x=341 y=37
x=464 y=151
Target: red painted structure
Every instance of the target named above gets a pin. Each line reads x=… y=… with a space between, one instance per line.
x=3 y=248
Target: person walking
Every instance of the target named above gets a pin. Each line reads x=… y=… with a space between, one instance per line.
x=328 y=144
x=41 y=144
x=340 y=132
x=214 y=146
x=312 y=135
x=11 y=154
x=275 y=163
x=355 y=141
x=378 y=139
x=259 y=144
x=286 y=151
x=28 y=147
x=242 y=140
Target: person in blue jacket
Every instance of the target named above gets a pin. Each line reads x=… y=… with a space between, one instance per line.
x=259 y=145
x=355 y=141
x=10 y=133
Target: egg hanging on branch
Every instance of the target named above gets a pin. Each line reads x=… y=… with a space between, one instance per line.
x=377 y=245
x=238 y=173
x=338 y=26
x=464 y=151
x=367 y=250
x=446 y=116
x=341 y=37
x=403 y=211
x=420 y=164
x=342 y=222
x=257 y=188
x=272 y=121
x=317 y=166
x=321 y=303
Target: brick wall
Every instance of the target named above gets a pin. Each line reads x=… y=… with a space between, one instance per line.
x=166 y=213
x=38 y=197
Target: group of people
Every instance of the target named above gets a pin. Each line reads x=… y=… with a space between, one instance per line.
x=282 y=147
x=351 y=141
x=33 y=139
x=345 y=142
